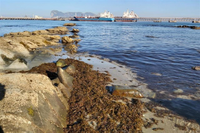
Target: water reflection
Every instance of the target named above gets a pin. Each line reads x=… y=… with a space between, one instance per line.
x=187 y=108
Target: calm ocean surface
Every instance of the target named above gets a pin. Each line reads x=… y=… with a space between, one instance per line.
x=172 y=52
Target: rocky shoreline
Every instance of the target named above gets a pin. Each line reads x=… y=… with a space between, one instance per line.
x=186 y=26
x=27 y=45
x=70 y=95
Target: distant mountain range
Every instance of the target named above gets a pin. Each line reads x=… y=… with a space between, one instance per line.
x=55 y=14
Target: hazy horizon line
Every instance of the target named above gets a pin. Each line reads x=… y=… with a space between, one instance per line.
x=32 y=16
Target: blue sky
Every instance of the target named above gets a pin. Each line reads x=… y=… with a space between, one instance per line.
x=144 y=8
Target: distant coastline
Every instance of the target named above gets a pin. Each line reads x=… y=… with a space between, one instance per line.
x=58 y=15
x=163 y=19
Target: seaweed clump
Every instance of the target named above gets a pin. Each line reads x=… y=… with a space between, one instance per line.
x=48 y=69
x=93 y=109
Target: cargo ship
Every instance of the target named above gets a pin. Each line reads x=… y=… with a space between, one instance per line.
x=127 y=17
x=104 y=17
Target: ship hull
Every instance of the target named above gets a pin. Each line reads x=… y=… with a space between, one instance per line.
x=125 y=19
x=93 y=19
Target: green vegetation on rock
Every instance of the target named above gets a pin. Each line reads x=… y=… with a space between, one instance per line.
x=30 y=111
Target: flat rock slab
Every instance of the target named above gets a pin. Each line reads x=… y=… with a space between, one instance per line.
x=30 y=104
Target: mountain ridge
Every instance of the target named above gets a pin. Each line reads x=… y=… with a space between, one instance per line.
x=58 y=14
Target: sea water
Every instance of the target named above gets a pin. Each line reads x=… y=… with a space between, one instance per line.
x=160 y=53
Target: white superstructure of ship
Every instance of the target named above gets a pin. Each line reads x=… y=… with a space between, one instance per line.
x=131 y=14
x=106 y=14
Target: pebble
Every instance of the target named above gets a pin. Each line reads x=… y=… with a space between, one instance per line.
x=157 y=74
x=151 y=37
x=178 y=91
x=197 y=68
x=162 y=92
x=152 y=95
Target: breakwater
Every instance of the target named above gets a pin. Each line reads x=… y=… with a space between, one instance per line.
x=138 y=19
x=167 y=19
x=26 y=18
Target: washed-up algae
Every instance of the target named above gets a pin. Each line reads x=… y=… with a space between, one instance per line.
x=48 y=69
x=91 y=107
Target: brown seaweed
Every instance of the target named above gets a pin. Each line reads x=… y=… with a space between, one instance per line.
x=91 y=107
